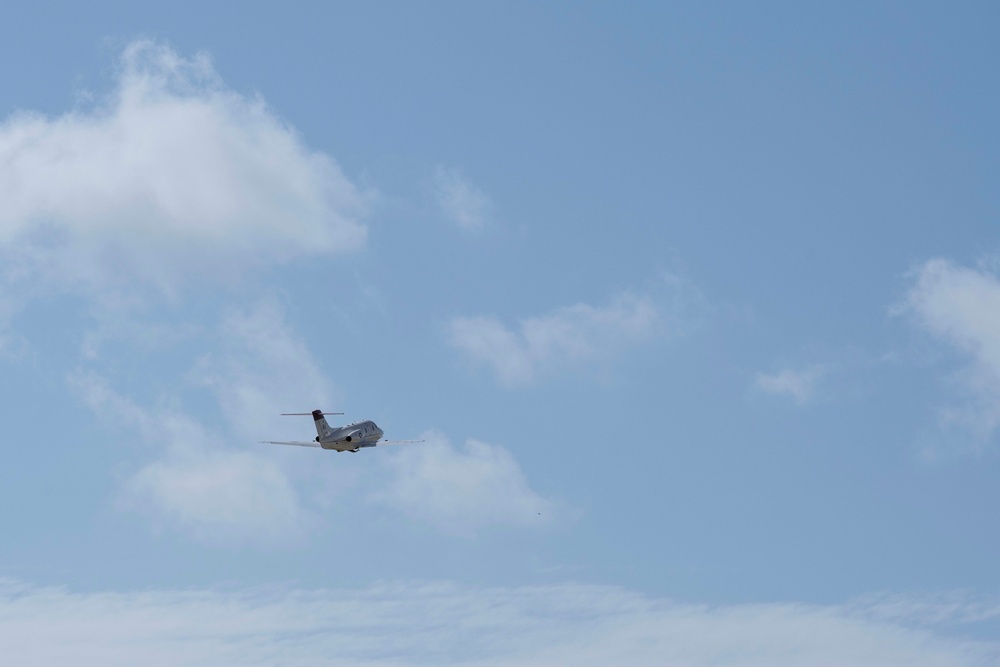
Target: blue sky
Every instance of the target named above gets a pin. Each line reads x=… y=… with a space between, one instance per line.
x=695 y=307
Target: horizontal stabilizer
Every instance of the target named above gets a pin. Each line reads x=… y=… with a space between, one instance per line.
x=398 y=442
x=307 y=414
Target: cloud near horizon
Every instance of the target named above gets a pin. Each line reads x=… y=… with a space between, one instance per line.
x=170 y=178
x=441 y=623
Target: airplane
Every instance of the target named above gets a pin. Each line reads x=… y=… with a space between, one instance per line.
x=349 y=438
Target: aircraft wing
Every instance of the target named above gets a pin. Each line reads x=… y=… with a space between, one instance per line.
x=397 y=442
x=294 y=442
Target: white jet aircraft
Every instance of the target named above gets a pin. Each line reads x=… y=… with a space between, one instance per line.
x=349 y=438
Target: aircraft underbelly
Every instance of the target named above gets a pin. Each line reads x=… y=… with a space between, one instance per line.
x=344 y=446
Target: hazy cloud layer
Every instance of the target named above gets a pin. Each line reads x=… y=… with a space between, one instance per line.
x=171 y=176
x=464 y=203
x=448 y=624
x=564 y=338
x=962 y=307
x=461 y=490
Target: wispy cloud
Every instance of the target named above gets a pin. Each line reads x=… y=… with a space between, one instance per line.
x=961 y=306
x=169 y=179
x=464 y=203
x=197 y=484
x=263 y=369
x=449 y=624
x=461 y=490
x=798 y=384
x=218 y=495
x=570 y=336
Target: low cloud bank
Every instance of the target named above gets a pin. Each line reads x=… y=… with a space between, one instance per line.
x=449 y=624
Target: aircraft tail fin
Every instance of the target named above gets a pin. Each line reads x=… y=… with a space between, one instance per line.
x=322 y=428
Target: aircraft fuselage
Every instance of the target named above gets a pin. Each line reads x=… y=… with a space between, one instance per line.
x=352 y=437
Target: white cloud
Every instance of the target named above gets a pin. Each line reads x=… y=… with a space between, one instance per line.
x=171 y=178
x=799 y=384
x=218 y=495
x=566 y=337
x=464 y=204
x=449 y=624
x=197 y=484
x=462 y=490
x=962 y=306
